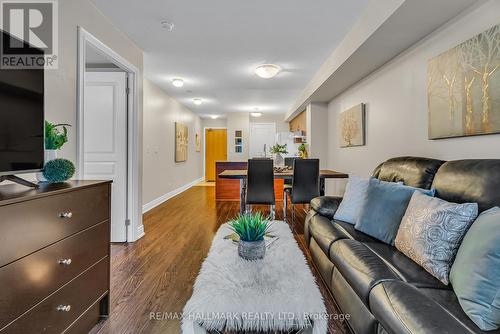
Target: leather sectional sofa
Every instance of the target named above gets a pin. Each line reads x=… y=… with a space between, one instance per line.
x=381 y=289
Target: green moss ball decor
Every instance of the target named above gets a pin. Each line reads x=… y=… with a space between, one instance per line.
x=58 y=170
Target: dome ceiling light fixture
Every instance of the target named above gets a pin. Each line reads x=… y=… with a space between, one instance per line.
x=267 y=71
x=169 y=26
x=255 y=114
x=177 y=82
x=214 y=116
x=197 y=101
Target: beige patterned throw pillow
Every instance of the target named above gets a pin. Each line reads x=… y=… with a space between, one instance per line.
x=431 y=232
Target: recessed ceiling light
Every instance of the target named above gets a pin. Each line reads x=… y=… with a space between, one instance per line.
x=178 y=82
x=214 y=116
x=267 y=71
x=256 y=114
x=197 y=101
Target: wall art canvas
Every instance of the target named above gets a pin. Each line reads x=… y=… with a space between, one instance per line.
x=197 y=141
x=463 y=88
x=352 y=126
x=181 y=142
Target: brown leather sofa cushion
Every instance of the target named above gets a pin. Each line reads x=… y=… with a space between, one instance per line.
x=476 y=181
x=412 y=171
x=360 y=267
x=402 y=308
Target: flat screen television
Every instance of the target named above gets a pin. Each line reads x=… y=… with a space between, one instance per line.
x=21 y=119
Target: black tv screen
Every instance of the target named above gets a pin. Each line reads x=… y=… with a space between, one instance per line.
x=21 y=119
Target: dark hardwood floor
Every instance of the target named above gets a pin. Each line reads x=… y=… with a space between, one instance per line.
x=156 y=273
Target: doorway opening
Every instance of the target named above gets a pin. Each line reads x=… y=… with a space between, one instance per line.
x=108 y=132
x=215 y=144
x=262 y=138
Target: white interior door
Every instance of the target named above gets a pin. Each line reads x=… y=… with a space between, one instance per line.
x=262 y=137
x=105 y=140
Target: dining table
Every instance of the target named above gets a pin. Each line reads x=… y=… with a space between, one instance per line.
x=241 y=175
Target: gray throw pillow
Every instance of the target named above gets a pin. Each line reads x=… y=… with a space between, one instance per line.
x=431 y=232
x=383 y=208
x=476 y=271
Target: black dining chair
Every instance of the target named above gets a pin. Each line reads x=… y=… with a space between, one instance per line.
x=305 y=184
x=287 y=183
x=260 y=184
x=289 y=161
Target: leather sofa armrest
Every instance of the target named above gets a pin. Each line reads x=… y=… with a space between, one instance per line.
x=326 y=205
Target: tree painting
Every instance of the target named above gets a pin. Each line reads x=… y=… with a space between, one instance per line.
x=463 y=88
x=181 y=142
x=352 y=127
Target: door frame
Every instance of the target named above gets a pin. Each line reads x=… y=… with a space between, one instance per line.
x=134 y=227
x=205 y=146
x=250 y=133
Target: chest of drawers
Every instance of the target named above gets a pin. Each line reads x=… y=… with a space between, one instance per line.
x=54 y=257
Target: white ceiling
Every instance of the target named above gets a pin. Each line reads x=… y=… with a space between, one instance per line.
x=215 y=46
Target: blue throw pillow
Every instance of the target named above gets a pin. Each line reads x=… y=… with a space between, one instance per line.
x=383 y=209
x=352 y=202
x=476 y=271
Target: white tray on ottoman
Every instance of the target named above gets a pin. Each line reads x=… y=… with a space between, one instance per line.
x=278 y=293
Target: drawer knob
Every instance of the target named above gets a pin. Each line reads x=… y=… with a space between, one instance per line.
x=66 y=262
x=66 y=215
x=64 y=308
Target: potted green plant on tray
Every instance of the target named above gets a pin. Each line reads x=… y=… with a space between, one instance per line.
x=278 y=150
x=251 y=228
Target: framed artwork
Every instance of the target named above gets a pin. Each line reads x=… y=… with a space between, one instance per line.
x=463 y=88
x=351 y=127
x=181 y=142
x=197 y=142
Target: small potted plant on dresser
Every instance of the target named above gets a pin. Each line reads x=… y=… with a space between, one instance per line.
x=56 y=135
x=251 y=229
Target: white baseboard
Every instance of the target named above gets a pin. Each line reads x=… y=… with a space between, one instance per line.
x=163 y=198
x=140 y=232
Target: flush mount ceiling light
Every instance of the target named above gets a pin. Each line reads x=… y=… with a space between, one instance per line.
x=267 y=71
x=178 y=82
x=197 y=101
x=169 y=26
x=214 y=116
x=255 y=114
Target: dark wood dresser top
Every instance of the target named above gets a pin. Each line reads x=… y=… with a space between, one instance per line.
x=13 y=193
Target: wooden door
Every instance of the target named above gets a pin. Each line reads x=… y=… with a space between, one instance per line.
x=215 y=150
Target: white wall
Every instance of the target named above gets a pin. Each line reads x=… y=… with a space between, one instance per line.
x=279 y=119
x=161 y=174
x=237 y=121
x=396 y=104
x=216 y=123
x=241 y=121
x=317 y=132
x=60 y=84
